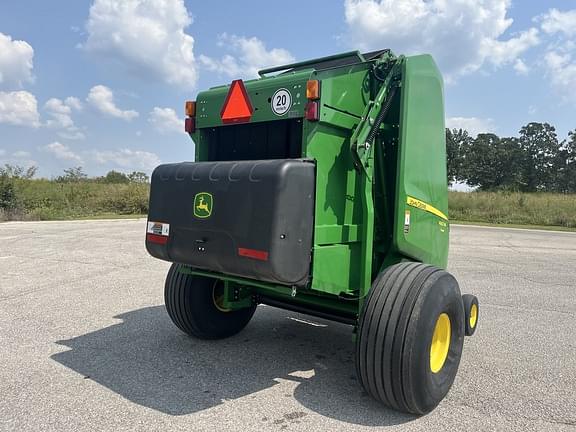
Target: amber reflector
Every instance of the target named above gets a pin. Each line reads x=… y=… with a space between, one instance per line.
x=190 y=108
x=313 y=89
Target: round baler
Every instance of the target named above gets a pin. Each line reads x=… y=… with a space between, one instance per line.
x=321 y=188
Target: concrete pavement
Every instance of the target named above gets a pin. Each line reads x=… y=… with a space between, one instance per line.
x=85 y=343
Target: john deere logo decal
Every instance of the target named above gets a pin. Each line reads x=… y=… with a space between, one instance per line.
x=203 y=205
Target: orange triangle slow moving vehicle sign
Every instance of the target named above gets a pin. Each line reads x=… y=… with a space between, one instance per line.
x=237 y=107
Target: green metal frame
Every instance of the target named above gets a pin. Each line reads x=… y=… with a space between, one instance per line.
x=375 y=171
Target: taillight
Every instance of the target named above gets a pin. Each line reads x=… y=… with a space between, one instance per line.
x=190 y=123
x=312 y=111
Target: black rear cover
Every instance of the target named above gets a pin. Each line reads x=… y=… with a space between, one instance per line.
x=247 y=218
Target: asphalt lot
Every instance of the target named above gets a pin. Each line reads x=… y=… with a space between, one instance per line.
x=85 y=343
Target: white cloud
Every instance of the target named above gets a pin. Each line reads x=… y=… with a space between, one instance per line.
x=561 y=70
x=73 y=102
x=145 y=36
x=16 y=61
x=555 y=21
x=521 y=67
x=128 y=159
x=63 y=152
x=462 y=35
x=251 y=56
x=19 y=108
x=558 y=61
x=102 y=98
x=60 y=113
x=473 y=125
x=61 y=116
x=503 y=52
x=165 y=120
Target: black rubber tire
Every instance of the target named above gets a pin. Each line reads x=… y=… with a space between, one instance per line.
x=190 y=304
x=395 y=335
x=468 y=300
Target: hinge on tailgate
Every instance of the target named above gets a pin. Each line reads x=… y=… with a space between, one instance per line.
x=363 y=136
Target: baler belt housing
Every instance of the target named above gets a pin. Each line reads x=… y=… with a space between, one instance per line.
x=361 y=149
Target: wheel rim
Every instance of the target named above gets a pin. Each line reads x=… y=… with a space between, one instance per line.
x=218 y=297
x=440 y=343
x=473 y=315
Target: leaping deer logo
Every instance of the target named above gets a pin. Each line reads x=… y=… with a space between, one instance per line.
x=203 y=205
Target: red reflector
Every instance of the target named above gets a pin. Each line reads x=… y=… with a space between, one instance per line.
x=312 y=111
x=252 y=253
x=190 y=125
x=237 y=107
x=155 y=238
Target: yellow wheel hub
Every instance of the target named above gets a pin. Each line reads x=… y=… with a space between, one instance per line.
x=440 y=343
x=473 y=315
x=218 y=297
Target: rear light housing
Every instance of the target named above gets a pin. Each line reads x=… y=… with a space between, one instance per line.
x=313 y=90
x=190 y=122
x=312 y=112
x=190 y=108
x=190 y=125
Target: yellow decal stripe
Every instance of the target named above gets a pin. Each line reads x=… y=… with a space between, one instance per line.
x=413 y=202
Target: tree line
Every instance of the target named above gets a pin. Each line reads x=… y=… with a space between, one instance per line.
x=74 y=174
x=534 y=161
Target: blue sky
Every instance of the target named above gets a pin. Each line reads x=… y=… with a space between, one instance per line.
x=102 y=83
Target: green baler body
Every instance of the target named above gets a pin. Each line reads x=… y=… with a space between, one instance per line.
x=392 y=210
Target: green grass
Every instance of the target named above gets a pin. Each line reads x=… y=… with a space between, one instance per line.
x=49 y=200
x=514 y=208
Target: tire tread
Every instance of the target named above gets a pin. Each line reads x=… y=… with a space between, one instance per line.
x=180 y=297
x=382 y=349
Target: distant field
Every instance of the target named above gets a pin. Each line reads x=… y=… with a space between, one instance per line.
x=543 y=209
x=51 y=200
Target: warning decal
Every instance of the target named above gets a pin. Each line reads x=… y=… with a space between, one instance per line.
x=158 y=228
x=406 y=221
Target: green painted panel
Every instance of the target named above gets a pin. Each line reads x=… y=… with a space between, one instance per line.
x=331 y=234
x=209 y=103
x=344 y=89
x=338 y=118
x=336 y=188
x=339 y=189
x=422 y=164
x=336 y=268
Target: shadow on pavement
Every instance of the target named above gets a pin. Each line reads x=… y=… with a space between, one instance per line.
x=147 y=360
